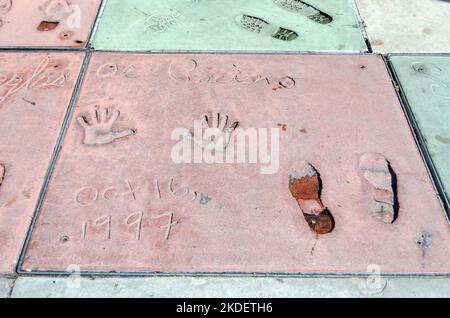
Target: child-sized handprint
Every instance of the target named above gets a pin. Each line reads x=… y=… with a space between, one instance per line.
x=99 y=130
x=215 y=134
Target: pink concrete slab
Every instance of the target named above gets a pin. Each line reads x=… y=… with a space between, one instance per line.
x=46 y=23
x=35 y=90
x=110 y=201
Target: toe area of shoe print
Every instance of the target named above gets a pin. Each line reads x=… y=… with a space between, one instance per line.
x=376 y=170
x=260 y=26
x=306 y=187
x=306 y=10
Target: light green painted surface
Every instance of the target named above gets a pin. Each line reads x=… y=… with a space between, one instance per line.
x=426 y=83
x=215 y=25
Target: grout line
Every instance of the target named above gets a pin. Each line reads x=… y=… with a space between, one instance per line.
x=362 y=27
x=54 y=157
x=42 y=49
x=231 y=52
x=96 y=24
x=137 y=274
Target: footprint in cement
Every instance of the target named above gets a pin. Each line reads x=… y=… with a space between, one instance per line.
x=377 y=172
x=306 y=10
x=260 y=26
x=306 y=187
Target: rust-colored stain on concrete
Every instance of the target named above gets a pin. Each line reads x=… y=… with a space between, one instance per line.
x=46 y=23
x=137 y=188
x=35 y=90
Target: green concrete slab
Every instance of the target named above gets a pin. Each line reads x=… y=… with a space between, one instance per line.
x=224 y=25
x=425 y=81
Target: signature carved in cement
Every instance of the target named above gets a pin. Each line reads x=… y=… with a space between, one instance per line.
x=112 y=70
x=156 y=23
x=188 y=70
x=46 y=74
x=98 y=131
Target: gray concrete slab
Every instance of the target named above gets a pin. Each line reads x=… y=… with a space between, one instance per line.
x=407 y=26
x=243 y=287
x=6 y=285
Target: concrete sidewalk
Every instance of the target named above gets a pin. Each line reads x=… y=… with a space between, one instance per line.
x=200 y=287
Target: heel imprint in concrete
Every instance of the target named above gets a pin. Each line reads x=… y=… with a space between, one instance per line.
x=98 y=129
x=306 y=10
x=305 y=186
x=377 y=172
x=260 y=26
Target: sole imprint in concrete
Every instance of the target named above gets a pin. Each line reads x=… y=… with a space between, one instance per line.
x=306 y=10
x=216 y=166
x=257 y=25
x=46 y=23
x=380 y=177
x=246 y=25
x=305 y=186
x=35 y=90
